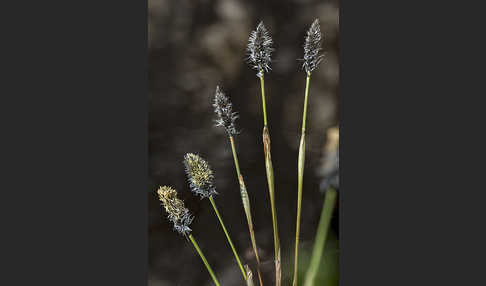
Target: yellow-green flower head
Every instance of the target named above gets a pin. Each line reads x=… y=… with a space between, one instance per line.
x=200 y=175
x=176 y=212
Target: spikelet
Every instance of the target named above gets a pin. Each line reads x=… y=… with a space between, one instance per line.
x=260 y=49
x=200 y=175
x=224 y=110
x=176 y=212
x=312 y=47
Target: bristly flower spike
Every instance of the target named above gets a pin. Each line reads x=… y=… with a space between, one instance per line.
x=181 y=218
x=260 y=49
x=200 y=175
x=176 y=212
x=312 y=47
x=224 y=110
x=201 y=179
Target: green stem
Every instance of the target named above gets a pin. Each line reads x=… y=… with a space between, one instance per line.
x=235 y=157
x=300 y=174
x=320 y=240
x=264 y=105
x=246 y=206
x=227 y=236
x=271 y=186
x=304 y=114
x=204 y=260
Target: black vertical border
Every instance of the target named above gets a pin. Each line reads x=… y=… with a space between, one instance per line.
x=405 y=78
x=77 y=163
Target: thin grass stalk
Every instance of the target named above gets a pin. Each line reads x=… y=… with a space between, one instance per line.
x=246 y=206
x=271 y=186
x=300 y=175
x=228 y=237
x=216 y=282
x=201 y=181
x=264 y=105
x=320 y=240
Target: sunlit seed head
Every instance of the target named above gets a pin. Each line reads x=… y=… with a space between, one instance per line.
x=200 y=175
x=173 y=206
x=176 y=212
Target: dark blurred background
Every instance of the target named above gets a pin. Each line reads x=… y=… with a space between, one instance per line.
x=194 y=46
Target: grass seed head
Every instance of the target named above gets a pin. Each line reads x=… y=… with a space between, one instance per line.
x=224 y=110
x=312 y=47
x=200 y=175
x=260 y=49
x=176 y=212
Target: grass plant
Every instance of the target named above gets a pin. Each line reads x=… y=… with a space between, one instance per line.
x=200 y=177
x=259 y=56
x=226 y=118
x=311 y=59
x=181 y=218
